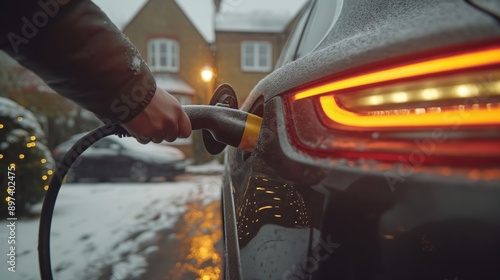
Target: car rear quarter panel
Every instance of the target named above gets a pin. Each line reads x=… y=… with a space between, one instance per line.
x=298 y=217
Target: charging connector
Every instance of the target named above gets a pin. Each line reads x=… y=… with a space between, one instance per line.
x=228 y=126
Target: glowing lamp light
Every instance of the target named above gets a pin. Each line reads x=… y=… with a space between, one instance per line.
x=21 y=156
x=399 y=97
x=207 y=74
x=430 y=94
x=466 y=90
x=376 y=100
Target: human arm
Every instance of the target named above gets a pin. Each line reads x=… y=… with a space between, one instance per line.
x=79 y=53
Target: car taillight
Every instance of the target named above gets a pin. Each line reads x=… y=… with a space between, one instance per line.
x=443 y=105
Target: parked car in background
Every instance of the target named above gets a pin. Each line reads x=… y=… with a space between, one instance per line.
x=115 y=158
x=379 y=152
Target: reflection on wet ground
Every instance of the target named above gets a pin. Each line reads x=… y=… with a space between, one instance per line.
x=193 y=250
x=201 y=242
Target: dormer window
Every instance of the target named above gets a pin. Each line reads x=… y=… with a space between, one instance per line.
x=163 y=55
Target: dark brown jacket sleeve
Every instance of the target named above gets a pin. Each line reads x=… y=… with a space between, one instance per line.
x=76 y=50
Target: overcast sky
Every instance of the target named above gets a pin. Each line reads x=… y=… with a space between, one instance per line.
x=120 y=12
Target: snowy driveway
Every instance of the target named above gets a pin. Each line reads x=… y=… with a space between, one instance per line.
x=167 y=230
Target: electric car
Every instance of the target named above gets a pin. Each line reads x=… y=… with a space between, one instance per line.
x=379 y=151
x=115 y=158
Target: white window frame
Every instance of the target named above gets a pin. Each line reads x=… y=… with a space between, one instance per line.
x=254 y=65
x=166 y=60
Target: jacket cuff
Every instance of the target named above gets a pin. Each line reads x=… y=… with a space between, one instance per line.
x=128 y=106
x=83 y=56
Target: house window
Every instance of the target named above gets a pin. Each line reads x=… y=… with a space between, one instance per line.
x=163 y=55
x=256 y=56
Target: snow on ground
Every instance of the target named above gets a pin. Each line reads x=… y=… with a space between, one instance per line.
x=213 y=167
x=95 y=225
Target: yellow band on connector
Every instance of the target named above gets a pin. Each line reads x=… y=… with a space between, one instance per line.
x=251 y=132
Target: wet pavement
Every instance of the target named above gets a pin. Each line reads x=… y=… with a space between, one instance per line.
x=193 y=248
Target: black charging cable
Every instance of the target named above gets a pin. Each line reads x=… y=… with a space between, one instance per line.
x=55 y=185
x=227 y=126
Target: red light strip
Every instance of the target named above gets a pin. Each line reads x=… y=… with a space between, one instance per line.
x=483 y=116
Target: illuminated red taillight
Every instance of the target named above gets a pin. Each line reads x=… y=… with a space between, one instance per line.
x=446 y=105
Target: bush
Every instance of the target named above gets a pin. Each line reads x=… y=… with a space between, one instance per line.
x=23 y=150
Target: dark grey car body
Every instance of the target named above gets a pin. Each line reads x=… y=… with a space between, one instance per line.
x=290 y=215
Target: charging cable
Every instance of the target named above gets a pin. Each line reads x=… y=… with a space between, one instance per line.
x=227 y=126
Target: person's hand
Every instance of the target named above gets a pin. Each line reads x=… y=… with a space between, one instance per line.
x=162 y=119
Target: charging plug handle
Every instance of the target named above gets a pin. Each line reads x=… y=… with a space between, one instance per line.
x=227 y=125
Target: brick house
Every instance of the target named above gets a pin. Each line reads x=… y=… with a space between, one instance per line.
x=174 y=48
x=239 y=49
x=176 y=52
x=247 y=47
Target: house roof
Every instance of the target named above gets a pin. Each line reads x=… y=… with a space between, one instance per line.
x=234 y=15
x=257 y=15
x=173 y=84
x=265 y=22
x=199 y=12
x=120 y=13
